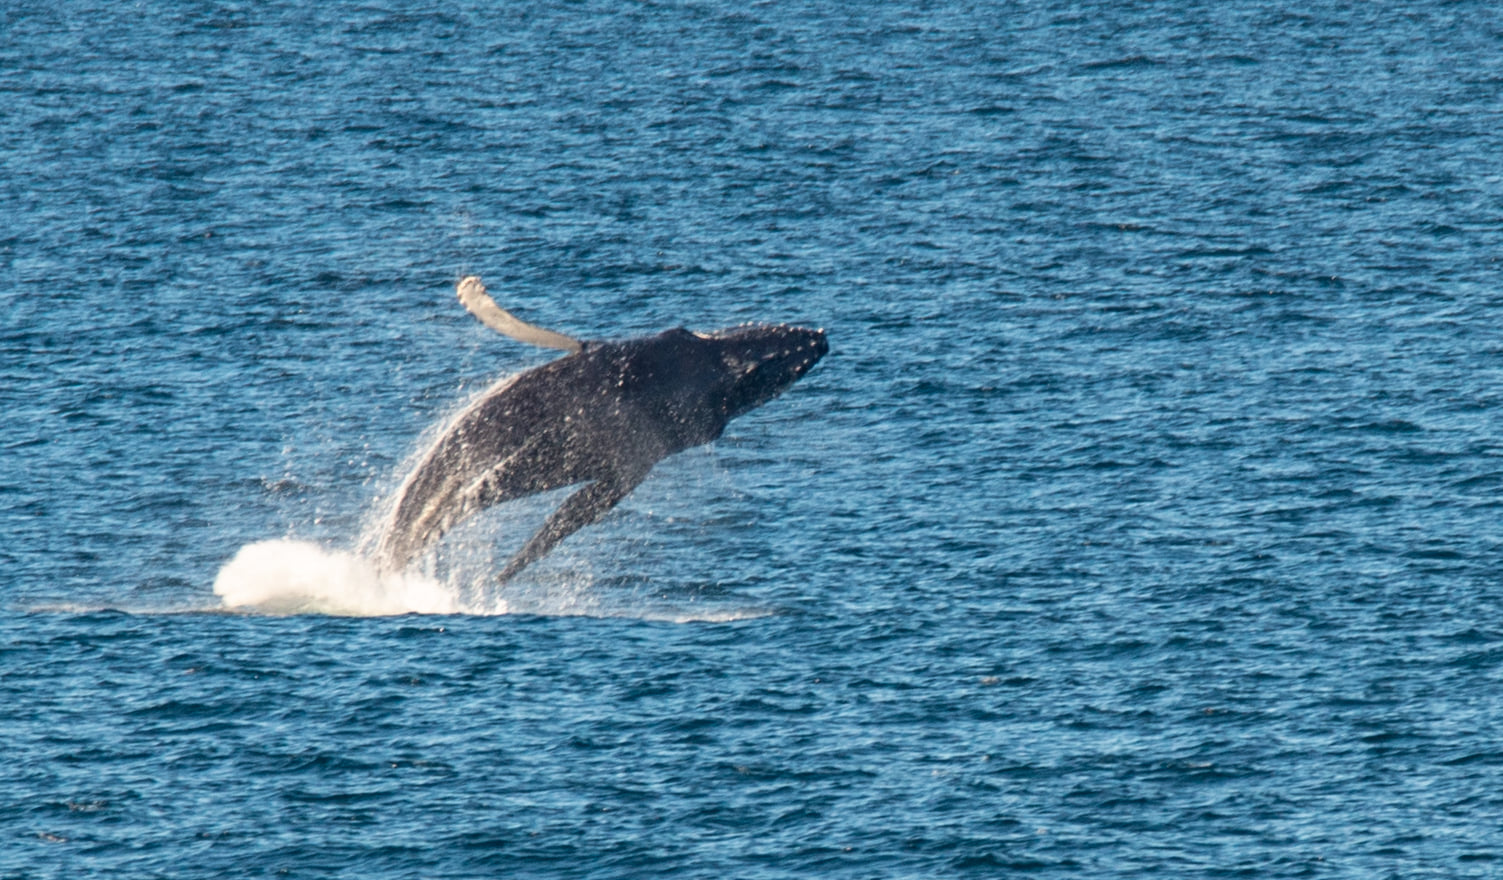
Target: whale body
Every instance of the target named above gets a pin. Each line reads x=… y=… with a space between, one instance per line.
x=601 y=416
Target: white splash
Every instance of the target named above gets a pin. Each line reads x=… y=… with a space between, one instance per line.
x=298 y=577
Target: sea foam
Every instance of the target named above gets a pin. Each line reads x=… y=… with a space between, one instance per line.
x=299 y=577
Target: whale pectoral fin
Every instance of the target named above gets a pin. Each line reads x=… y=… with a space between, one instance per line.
x=479 y=303
x=577 y=511
x=443 y=492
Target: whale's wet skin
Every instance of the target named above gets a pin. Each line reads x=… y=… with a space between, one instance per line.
x=601 y=416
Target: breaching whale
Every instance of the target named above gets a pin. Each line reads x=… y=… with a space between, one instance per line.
x=602 y=416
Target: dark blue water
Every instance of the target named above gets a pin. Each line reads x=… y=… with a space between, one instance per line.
x=1144 y=519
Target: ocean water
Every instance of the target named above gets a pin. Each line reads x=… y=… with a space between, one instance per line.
x=1144 y=519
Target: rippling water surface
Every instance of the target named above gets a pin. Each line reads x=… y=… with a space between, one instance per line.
x=1143 y=520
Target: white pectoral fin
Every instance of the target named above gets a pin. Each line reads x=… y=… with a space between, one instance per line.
x=479 y=303
x=577 y=511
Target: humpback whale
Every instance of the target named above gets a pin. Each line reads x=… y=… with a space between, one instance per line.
x=600 y=416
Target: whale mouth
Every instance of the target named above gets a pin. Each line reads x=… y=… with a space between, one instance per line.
x=764 y=359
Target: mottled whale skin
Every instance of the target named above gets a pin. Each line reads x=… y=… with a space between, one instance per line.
x=601 y=416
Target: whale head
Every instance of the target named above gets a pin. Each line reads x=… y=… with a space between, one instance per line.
x=760 y=361
x=699 y=381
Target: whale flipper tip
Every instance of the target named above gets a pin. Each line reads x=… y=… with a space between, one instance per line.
x=475 y=299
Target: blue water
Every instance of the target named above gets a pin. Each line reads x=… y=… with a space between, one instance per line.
x=1144 y=519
